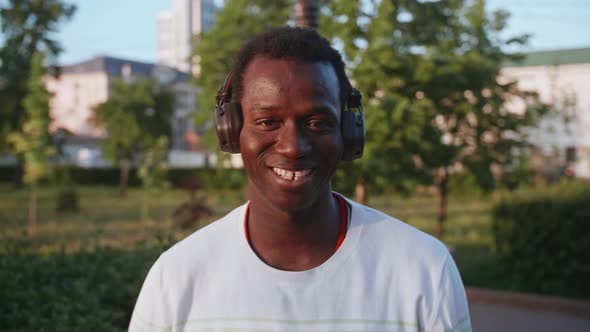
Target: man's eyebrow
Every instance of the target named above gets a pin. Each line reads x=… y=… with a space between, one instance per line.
x=319 y=109
x=263 y=107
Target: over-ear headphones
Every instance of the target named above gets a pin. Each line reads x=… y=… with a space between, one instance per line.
x=228 y=116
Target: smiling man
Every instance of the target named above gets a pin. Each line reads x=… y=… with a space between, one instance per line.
x=298 y=256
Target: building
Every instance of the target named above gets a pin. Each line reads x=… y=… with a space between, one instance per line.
x=81 y=87
x=562 y=79
x=176 y=31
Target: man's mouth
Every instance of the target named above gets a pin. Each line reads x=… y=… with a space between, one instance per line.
x=292 y=175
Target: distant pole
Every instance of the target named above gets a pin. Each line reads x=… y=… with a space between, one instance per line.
x=306 y=14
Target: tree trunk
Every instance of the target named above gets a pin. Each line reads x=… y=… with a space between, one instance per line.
x=442 y=192
x=360 y=191
x=206 y=159
x=32 y=226
x=124 y=178
x=306 y=14
x=18 y=173
x=145 y=208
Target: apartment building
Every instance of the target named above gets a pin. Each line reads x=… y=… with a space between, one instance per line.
x=82 y=86
x=562 y=79
x=176 y=30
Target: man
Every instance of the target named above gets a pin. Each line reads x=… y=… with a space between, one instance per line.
x=297 y=256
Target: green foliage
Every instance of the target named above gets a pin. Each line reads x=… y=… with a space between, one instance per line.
x=33 y=141
x=154 y=168
x=465 y=185
x=93 y=289
x=135 y=116
x=152 y=172
x=519 y=173
x=428 y=71
x=99 y=176
x=543 y=239
x=235 y=23
x=344 y=180
x=6 y=173
x=209 y=178
x=28 y=27
x=67 y=200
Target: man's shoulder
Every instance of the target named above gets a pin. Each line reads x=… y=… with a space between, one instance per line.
x=394 y=235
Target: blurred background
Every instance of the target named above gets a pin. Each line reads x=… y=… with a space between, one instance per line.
x=478 y=132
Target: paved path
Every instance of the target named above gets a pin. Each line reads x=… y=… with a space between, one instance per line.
x=493 y=318
x=513 y=312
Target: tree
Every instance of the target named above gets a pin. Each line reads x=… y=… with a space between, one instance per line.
x=27 y=28
x=153 y=170
x=134 y=116
x=430 y=72
x=236 y=22
x=33 y=141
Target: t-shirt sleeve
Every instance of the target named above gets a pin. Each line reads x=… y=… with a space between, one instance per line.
x=451 y=310
x=151 y=311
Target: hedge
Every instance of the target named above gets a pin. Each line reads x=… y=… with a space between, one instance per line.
x=542 y=239
x=93 y=289
x=213 y=178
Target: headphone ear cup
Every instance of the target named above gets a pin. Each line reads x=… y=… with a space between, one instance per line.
x=228 y=117
x=353 y=135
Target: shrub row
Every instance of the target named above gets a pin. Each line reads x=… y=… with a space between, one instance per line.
x=93 y=289
x=208 y=178
x=543 y=239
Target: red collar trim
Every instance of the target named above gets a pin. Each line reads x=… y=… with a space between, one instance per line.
x=343 y=221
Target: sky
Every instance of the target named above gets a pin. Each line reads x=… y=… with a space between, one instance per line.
x=127 y=28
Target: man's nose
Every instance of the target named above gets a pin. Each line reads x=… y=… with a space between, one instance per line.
x=292 y=141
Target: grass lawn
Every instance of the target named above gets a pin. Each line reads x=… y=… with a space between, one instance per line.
x=105 y=218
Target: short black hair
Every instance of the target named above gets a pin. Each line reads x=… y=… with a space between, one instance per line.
x=300 y=44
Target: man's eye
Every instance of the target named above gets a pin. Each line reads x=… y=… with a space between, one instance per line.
x=267 y=123
x=319 y=124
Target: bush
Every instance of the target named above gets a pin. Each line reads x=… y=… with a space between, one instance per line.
x=209 y=178
x=218 y=178
x=465 y=185
x=7 y=173
x=67 y=199
x=543 y=239
x=101 y=176
x=93 y=289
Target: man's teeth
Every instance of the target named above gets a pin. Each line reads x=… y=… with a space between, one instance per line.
x=291 y=175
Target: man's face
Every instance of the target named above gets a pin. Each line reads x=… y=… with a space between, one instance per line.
x=290 y=142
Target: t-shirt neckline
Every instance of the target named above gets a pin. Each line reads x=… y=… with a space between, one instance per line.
x=324 y=270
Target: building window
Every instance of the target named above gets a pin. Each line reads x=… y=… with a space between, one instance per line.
x=570 y=154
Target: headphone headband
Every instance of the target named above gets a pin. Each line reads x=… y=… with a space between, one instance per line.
x=224 y=93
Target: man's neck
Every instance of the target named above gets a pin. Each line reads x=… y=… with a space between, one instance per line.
x=294 y=240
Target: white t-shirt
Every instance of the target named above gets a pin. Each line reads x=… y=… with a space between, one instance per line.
x=386 y=276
